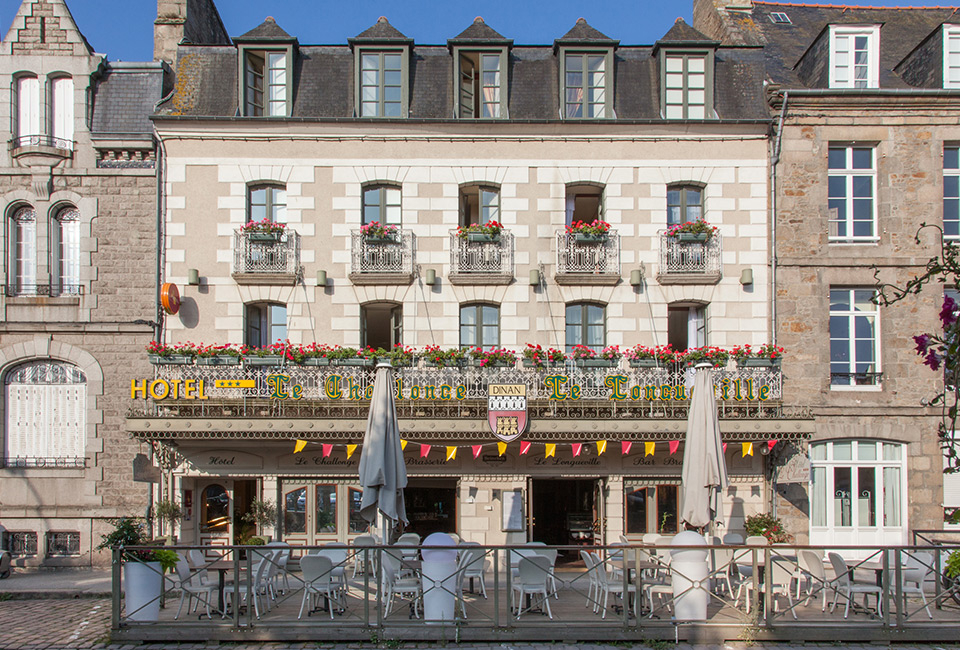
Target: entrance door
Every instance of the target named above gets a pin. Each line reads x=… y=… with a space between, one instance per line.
x=564 y=512
x=215 y=512
x=318 y=512
x=431 y=506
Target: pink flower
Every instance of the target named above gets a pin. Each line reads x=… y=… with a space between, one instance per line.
x=948 y=314
x=923 y=341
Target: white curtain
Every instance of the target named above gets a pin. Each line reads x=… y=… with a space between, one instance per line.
x=891 y=496
x=28 y=106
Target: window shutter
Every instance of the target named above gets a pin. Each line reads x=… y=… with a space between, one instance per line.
x=14 y=107
x=63 y=109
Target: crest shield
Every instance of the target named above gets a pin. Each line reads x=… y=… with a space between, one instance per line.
x=507 y=410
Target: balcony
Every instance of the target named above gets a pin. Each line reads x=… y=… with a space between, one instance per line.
x=481 y=260
x=583 y=260
x=40 y=150
x=690 y=262
x=266 y=258
x=387 y=260
x=54 y=290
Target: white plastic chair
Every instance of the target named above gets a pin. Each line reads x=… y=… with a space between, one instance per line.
x=811 y=564
x=337 y=553
x=591 y=573
x=360 y=544
x=192 y=587
x=612 y=582
x=396 y=586
x=917 y=567
x=532 y=576
x=472 y=565
x=847 y=588
x=733 y=539
x=781 y=579
x=235 y=591
x=318 y=579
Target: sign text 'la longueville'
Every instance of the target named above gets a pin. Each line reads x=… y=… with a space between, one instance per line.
x=337 y=387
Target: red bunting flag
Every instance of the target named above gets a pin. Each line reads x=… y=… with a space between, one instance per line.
x=577 y=448
x=625 y=447
x=724 y=447
x=674 y=446
x=327 y=450
x=771 y=444
x=424 y=451
x=476 y=450
x=524 y=447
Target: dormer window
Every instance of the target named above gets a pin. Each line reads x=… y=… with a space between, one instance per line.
x=382 y=91
x=585 y=85
x=951 y=56
x=854 y=56
x=265 y=86
x=480 y=92
x=687 y=92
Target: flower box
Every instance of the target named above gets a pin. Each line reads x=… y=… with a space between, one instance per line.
x=268 y=237
x=530 y=363
x=588 y=238
x=269 y=360
x=315 y=361
x=170 y=360
x=690 y=237
x=482 y=238
x=479 y=363
x=402 y=364
x=386 y=240
x=459 y=363
x=597 y=363
x=219 y=360
x=354 y=362
x=758 y=362
x=643 y=363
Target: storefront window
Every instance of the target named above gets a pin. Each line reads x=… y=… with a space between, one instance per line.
x=215 y=509
x=326 y=509
x=295 y=511
x=357 y=523
x=667 y=508
x=635 y=502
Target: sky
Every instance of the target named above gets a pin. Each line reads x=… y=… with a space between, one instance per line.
x=123 y=29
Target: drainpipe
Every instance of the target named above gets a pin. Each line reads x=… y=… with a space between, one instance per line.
x=774 y=159
x=161 y=161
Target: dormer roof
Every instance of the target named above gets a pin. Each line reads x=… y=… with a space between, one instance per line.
x=479 y=33
x=583 y=34
x=381 y=32
x=268 y=30
x=683 y=35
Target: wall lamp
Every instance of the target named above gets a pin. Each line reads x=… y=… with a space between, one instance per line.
x=746 y=277
x=431 y=277
x=193 y=277
x=321 y=278
x=637 y=275
x=534 y=277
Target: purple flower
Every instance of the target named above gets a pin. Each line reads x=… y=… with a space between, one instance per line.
x=948 y=314
x=933 y=360
x=923 y=341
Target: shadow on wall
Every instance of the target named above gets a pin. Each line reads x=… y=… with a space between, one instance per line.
x=189 y=313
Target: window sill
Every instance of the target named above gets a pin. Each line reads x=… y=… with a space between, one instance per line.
x=381 y=278
x=265 y=278
x=49 y=301
x=875 y=388
x=689 y=278
x=849 y=241
x=587 y=279
x=480 y=278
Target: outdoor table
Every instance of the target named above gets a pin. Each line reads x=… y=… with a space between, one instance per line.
x=221 y=567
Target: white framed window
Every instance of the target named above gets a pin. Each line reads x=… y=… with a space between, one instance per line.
x=22 y=242
x=66 y=250
x=858 y=492
x=586 y=324
x=854 y=56
x=266 y=83
x=851 y=193
x=381 y=203
x=951 y=192
x=45 y=412
x=686 y=87
x=854 y=338
x=267 y=202
x=266 y=323
x=951 y=481
x=27 y=109
x=61 y=113
x=951 y=56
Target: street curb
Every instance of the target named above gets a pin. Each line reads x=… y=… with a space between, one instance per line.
x=50 y=595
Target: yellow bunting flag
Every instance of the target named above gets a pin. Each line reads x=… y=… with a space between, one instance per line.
x=746 y=448
x=501 y=448
x=551 y=450
x=350 y=450
x=299 y=446
x=649 y=448
x=451 y=453
x=403 y=444
x=601 y=446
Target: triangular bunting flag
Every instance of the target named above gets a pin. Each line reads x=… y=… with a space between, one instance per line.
x=551 y=450
x=577 y=447
x=351 y=449
x=424 y=451
x=524 y=447
x=476 y=450
x=724 y=447
x=327 y=450
x=771 y=444
x=299 y=446
x=601 y=446
x=501 y=448
x=649 y=448
x=674 y=446
x=746 y=448
x=403 y=444
x=625 y=447
x=451 y=453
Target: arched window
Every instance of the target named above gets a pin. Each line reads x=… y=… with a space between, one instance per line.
x=586 y=325
x=26 y=110
x=381 y=203
x=267 y=202
x=215 y=509
x=65 y=264
x=61 y=111
x=45 y=412
x=479 y=204
x=22 y=241
x=479 y=326
x=266 y=323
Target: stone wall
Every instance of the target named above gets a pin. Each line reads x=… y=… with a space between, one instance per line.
x=197 y=21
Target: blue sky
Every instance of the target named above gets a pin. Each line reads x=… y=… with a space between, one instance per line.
x=123 y=29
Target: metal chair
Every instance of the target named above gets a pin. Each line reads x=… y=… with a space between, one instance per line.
x=191 y=586
x=319 y=579
x=846 y=587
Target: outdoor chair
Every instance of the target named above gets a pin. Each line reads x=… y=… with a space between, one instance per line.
x=394 y=585
x=607 y=583
x=473 y=563
x=337 y=553
x=847 y=588
x=722 y=560
x=781 y=580
x=198 y=562
x=192 y=587
x=532 y=576
x=591 y=573
x=811 y=566
x=361 y=555
x=917 y=568
x=281 y=573
x=237 y=594
x=551 y=555
x=319 y=580
x=733 y=539
x=410 y=541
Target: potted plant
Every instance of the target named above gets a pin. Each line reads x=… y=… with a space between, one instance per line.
x=169 y=512
x=161 y=354
x=264 y=231
x=535 y=356
x=377 y=233
x=594 y=232
x=716 y=356
x=340 y=356
x=481 y=232
x=768 y=526
x=435 y=357
x=142 y=569
x=495 y=358
x=260 y=514
x=310 y=355
x=767 y=355
x=586 y=357
x=218 y=355
x=269 y=355
x=692 y=231
x=640 y=356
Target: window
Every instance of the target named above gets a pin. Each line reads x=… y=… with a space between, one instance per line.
x=586 y=325
x=854 y=56
x=780 y=18
x=851 y=186
x=295 y=511
x=46 y=411
x=266 y=324
x=684 y=203
x=23 y=543
x=358 y=524
x=687 y=93
x=479 y=204
x=66 y=252
x=650 y=508
x=27 y=111
x=480 y=326
x=686 y=326
x=857 y=492
x=266 y=83
x=951 y=192
x=215 y=509
x=481 y=93
x=381 y=84
x=63 y=544
x=326 y=509
x=381 y=325
x=267 y=202
x=23 y=251
x=951 y=56
x=381 y=203
x=854 y=337
x=586 y=84
x=61 y=117
x=584 y=203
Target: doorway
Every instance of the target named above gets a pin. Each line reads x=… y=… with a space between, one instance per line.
x=565 y=512
x=431 y=506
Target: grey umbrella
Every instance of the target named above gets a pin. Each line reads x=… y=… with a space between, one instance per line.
x=383 y=474
x=704 y=473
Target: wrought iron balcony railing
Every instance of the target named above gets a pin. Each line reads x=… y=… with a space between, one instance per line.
x=266 y=254
x=41 y=141
x=481 y=258
x=387 y=259
x=579 y=256
x=690 y=261
x=41 y=462
x=53 y=290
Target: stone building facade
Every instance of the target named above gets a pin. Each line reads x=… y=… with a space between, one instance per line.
x=78 y=186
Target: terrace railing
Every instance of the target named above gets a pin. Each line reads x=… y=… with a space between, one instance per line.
x=480 y=259
x=258 y=255
x=386 y=260
x=579 y=256
x=690 y=262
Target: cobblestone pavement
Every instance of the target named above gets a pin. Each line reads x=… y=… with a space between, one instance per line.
x=84 y=623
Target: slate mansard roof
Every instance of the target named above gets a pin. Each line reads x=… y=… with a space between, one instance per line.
x=324 y=77
x=124 y=98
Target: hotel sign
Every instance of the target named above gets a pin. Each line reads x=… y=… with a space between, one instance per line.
x=507 y=410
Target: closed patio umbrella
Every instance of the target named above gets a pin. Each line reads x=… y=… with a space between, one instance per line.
x=704 y=473
x=383 y=474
